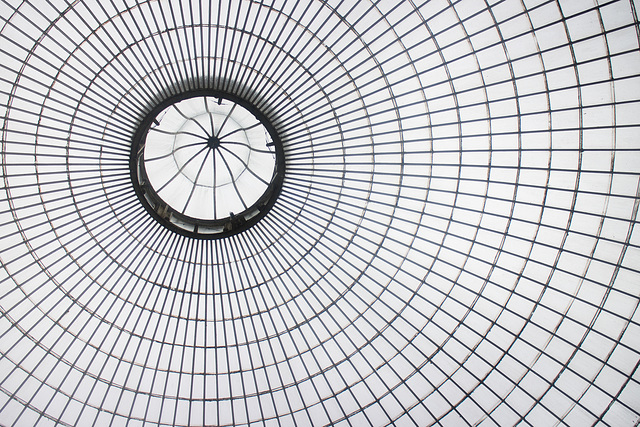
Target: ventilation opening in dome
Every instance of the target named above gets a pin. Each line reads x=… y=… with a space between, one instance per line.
x=207 y=164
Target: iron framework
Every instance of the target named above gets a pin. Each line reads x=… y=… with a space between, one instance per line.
x=455 y=240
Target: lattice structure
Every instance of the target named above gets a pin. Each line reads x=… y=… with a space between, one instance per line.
x=454 y=240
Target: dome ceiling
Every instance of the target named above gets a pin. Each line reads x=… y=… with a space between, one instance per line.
x=452 y=238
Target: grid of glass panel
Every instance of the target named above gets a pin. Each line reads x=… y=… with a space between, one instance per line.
x=455 y=242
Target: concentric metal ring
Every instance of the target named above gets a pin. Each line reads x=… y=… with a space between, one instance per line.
x=205 y=166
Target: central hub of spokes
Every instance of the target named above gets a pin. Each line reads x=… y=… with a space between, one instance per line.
x=213 y=142
x=207 y=165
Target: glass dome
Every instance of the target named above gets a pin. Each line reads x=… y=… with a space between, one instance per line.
x=205 y=166
x=452 y=238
